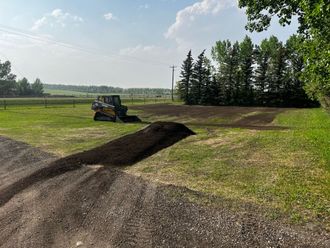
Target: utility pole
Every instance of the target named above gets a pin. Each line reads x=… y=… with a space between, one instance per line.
x=173 y=70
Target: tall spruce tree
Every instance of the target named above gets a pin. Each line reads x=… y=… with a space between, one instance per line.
x=208 y=96
x=276 y=72
x=246 y=69
x=198 y=79
x=186 y=75
x=262 y=54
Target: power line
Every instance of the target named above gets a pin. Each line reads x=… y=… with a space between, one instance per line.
x=92 y=51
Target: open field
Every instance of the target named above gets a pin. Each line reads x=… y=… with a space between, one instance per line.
x=67 y=92
x=275 y=159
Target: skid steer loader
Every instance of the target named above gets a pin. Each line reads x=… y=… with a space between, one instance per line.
x=109 y=108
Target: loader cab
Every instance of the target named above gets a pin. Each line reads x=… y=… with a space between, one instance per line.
x=112 y=100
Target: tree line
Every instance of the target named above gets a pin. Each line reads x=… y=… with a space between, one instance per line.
x=246 y=74
x=10 y=87
x=103 y=89
x=314 y=27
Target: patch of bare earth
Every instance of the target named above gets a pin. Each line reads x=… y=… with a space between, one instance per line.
x=255 y=118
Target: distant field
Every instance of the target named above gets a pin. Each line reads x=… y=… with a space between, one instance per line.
x=67 y=92
x=93 y=95
x=277 y=159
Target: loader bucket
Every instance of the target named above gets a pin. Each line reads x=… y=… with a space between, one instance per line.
x=129 y=118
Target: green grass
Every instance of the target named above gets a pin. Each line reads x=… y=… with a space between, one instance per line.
x=63 y=130
x=286 y=172
x=283 y=170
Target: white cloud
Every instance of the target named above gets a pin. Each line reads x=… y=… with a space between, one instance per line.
x=187 y=19
x=110 y=17
x=56 y=18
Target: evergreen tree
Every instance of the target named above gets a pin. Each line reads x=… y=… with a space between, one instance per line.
x=208 y=95
x=246 y=68
x=186 y=76
x=216 y=92
x=262 y=54
x=198 y=79
x=276 y=71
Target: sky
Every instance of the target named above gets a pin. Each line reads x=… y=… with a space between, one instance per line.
x=123 y=43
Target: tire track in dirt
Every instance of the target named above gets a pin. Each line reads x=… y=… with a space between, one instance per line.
x=137 y=231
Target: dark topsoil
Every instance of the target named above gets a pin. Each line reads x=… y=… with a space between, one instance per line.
x=240 y=116
x=50 y=202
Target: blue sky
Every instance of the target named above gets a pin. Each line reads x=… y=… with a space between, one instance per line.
x=127 y=43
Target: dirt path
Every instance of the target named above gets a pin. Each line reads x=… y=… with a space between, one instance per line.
x=104 y=207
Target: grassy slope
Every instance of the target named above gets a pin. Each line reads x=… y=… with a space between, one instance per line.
x=287 y=170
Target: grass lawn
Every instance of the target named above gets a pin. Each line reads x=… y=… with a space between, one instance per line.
x=62 y=130
x=285 y=171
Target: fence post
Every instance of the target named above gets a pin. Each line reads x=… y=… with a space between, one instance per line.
x=45 y=102
x=4 y=104
x=73 y=103
x=144 y=99
x=132 y=98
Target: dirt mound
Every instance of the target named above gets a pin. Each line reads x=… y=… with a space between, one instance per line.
x=124 y=151
x=134 y=147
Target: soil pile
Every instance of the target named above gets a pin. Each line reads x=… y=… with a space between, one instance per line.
x=124 y=151
x=134 y=147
